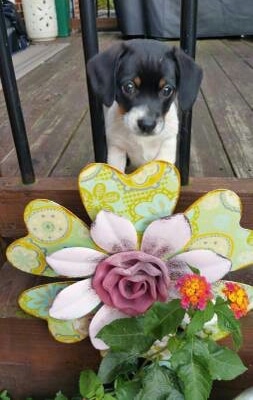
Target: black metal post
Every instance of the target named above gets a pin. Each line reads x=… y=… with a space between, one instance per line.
x=12 y=100
x=188 y=32
x=90 y=47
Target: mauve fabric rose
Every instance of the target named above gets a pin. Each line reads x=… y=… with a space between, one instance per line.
x=131 y=281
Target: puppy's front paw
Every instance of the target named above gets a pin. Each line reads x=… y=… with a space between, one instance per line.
x=117 y=158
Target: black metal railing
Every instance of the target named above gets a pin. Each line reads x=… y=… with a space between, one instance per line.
x=90 y=45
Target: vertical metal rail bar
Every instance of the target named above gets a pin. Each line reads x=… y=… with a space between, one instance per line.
x=90 y=47
x=13 y=104
x=188 y=31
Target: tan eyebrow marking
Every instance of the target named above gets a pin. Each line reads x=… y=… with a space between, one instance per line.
x=162 y=83
x=121 y=110
x=137 y=81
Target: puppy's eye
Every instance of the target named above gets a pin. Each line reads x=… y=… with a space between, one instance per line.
x=129 y=88
x=167 y=91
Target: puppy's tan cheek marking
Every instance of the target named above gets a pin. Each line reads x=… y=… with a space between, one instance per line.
x=137 y=81
x=162 y=83
x=121 y=110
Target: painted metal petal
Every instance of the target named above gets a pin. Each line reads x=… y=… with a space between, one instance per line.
x=215 y=221
x=149 y=193
x=75 y=262
x=210 y=264
x=51 y=227
x=75 y=301
x=166 y=236
x=104 y=316
x=38 y=300
x=113 y=233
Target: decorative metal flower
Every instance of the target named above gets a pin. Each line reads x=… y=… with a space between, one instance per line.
x=133 y=254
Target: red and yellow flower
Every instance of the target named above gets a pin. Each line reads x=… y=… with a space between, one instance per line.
x=195 y=291
x=237 y=297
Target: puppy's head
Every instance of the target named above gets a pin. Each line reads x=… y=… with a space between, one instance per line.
x=144 y=77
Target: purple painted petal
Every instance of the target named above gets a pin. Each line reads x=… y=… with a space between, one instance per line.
x=75 y=262
x=104 y=316
x=166 y=235
x=177 y=268
x=210 y=264
x=113 y=233
x=75 y=301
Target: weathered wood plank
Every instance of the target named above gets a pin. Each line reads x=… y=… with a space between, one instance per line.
x=242 y=49
x=207 y=154
x=79 y=151
x=240 y=73
x=15 y=196
x=232 y=115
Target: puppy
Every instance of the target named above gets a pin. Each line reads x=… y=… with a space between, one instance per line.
x=140 y=81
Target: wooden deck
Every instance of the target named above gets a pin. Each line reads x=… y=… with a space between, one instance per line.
x=56 y=110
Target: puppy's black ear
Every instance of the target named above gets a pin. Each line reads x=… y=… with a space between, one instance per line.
x=190 y=77
x=101 y=71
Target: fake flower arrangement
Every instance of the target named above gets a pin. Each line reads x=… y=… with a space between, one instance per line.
x=150 y=293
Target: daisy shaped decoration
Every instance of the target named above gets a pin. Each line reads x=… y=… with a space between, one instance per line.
x=134 y=253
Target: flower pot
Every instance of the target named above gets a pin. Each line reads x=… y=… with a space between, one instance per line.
x=40 y=19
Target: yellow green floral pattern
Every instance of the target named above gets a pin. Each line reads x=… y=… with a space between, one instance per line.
x=215 y=221
x=147 y=194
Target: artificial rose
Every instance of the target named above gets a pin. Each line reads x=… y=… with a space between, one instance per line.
x=131 y=281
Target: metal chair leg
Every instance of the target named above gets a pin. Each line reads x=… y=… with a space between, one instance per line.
x=188 y=30
x=12 y=100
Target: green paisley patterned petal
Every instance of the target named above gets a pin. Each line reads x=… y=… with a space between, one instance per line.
x=154 y=185
x=51 y=227
x=215 y=221
x=69 y=331
x=38 y=300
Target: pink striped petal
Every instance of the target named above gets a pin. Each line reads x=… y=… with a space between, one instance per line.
x=104 y=316
x=166 y=236
x=210 y=264
x=75 y=301
x=75 y=262
x=113 y=233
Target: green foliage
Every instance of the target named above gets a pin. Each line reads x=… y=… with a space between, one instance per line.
x=134 y=369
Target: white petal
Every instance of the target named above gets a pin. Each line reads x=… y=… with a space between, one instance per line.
x=166 y=235
x=210 y=264
x=104 y=316
x=113 y=233
x=75 y=262
x=75 y=301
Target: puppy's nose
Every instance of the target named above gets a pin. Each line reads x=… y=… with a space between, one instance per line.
x=146 y=124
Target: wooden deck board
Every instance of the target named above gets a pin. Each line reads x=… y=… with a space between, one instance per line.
x=230 y=112
x=55 y=104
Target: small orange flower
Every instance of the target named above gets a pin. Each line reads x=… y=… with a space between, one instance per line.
x=237 y=297
x=195 y=291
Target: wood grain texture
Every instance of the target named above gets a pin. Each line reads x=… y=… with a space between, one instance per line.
x=15 y=196
x=231 y=113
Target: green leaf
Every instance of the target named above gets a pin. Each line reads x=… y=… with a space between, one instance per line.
x=108 y=396
x=196 y=379
x=227 y=321
x=199 y=318
x=4 y=395
x=127 y=390
x=89 y=384
x=175 y=395
x=114 y=364
x=163 y=318
x=126 y=335
x=224 y=364
x=60 y=396
x=191 y=346
x=158 y=383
